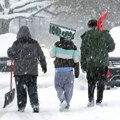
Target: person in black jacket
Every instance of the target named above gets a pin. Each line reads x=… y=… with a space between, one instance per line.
x=26 y=52
x=66 y=60
x=95 y=47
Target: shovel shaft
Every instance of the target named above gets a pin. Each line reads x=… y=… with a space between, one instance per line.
x=11 y=68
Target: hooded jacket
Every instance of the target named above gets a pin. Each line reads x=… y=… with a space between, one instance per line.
x=26 y=52
x=66 y=55
x=95 y=48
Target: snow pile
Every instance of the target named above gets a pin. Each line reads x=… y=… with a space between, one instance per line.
x=115 y=33
x=6 y=42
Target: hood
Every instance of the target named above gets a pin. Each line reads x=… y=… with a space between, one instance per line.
x=23 y=32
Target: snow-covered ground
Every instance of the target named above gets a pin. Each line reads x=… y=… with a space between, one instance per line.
x=49 y=104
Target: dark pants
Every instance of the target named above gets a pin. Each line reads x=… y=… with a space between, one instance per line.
x=24 y=84
x=96 y=77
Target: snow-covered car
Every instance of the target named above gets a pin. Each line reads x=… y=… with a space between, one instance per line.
x=6 y=42
x=114 y=61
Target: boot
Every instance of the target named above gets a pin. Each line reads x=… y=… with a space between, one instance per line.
x=91 y=103
x=21 y=109
x=36 y=109
x=63 y=106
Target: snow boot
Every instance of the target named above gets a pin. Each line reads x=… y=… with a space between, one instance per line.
x=36 y=109
x=99 y=103
x=63 y=106
x=21 y=109
x=91 y=103
x=66 y=109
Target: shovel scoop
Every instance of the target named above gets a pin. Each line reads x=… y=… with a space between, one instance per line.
x=9 y=96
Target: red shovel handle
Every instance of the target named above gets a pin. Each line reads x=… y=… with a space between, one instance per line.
x=11 y=69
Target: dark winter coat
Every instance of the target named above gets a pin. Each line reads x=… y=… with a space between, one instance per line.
x=95 y=48
x=26 y=53
x=66 y=55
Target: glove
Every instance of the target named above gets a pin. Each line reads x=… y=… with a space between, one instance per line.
x=76 y=70
x=44 y=69
x=10 y=52
x=76 y=74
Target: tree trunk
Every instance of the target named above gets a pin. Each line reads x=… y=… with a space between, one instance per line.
x=4 y=26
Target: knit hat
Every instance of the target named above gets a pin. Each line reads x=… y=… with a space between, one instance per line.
x=92 y=23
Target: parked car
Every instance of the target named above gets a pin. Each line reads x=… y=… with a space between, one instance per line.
x=6 y=42
x=4 y=64
x=114 y=73
x=114 y=61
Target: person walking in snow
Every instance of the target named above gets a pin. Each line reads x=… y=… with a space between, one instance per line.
x=96 y=44
x=66 y=60
x=26 y=52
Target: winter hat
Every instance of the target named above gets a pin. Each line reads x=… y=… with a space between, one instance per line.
x=62 y=39
x=23 y=32
x=92 y=23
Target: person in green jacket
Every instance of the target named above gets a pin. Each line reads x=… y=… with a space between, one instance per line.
x=95 y=47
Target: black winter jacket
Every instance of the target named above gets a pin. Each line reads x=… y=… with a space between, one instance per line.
x=26 y=52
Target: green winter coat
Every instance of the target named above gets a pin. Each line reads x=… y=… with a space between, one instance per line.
x=95 y=48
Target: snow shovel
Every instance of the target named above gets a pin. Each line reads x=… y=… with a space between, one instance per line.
x=9 y=96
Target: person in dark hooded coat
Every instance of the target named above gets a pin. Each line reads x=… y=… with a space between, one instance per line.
x=94 y=59
x=26 y=52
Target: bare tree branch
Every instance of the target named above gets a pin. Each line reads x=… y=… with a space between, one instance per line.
x=24 y=14
x=52 y=13
x=41 y=9
x=21 y=3
x=31 y=6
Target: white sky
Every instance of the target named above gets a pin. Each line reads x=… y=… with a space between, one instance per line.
x=49 y=104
